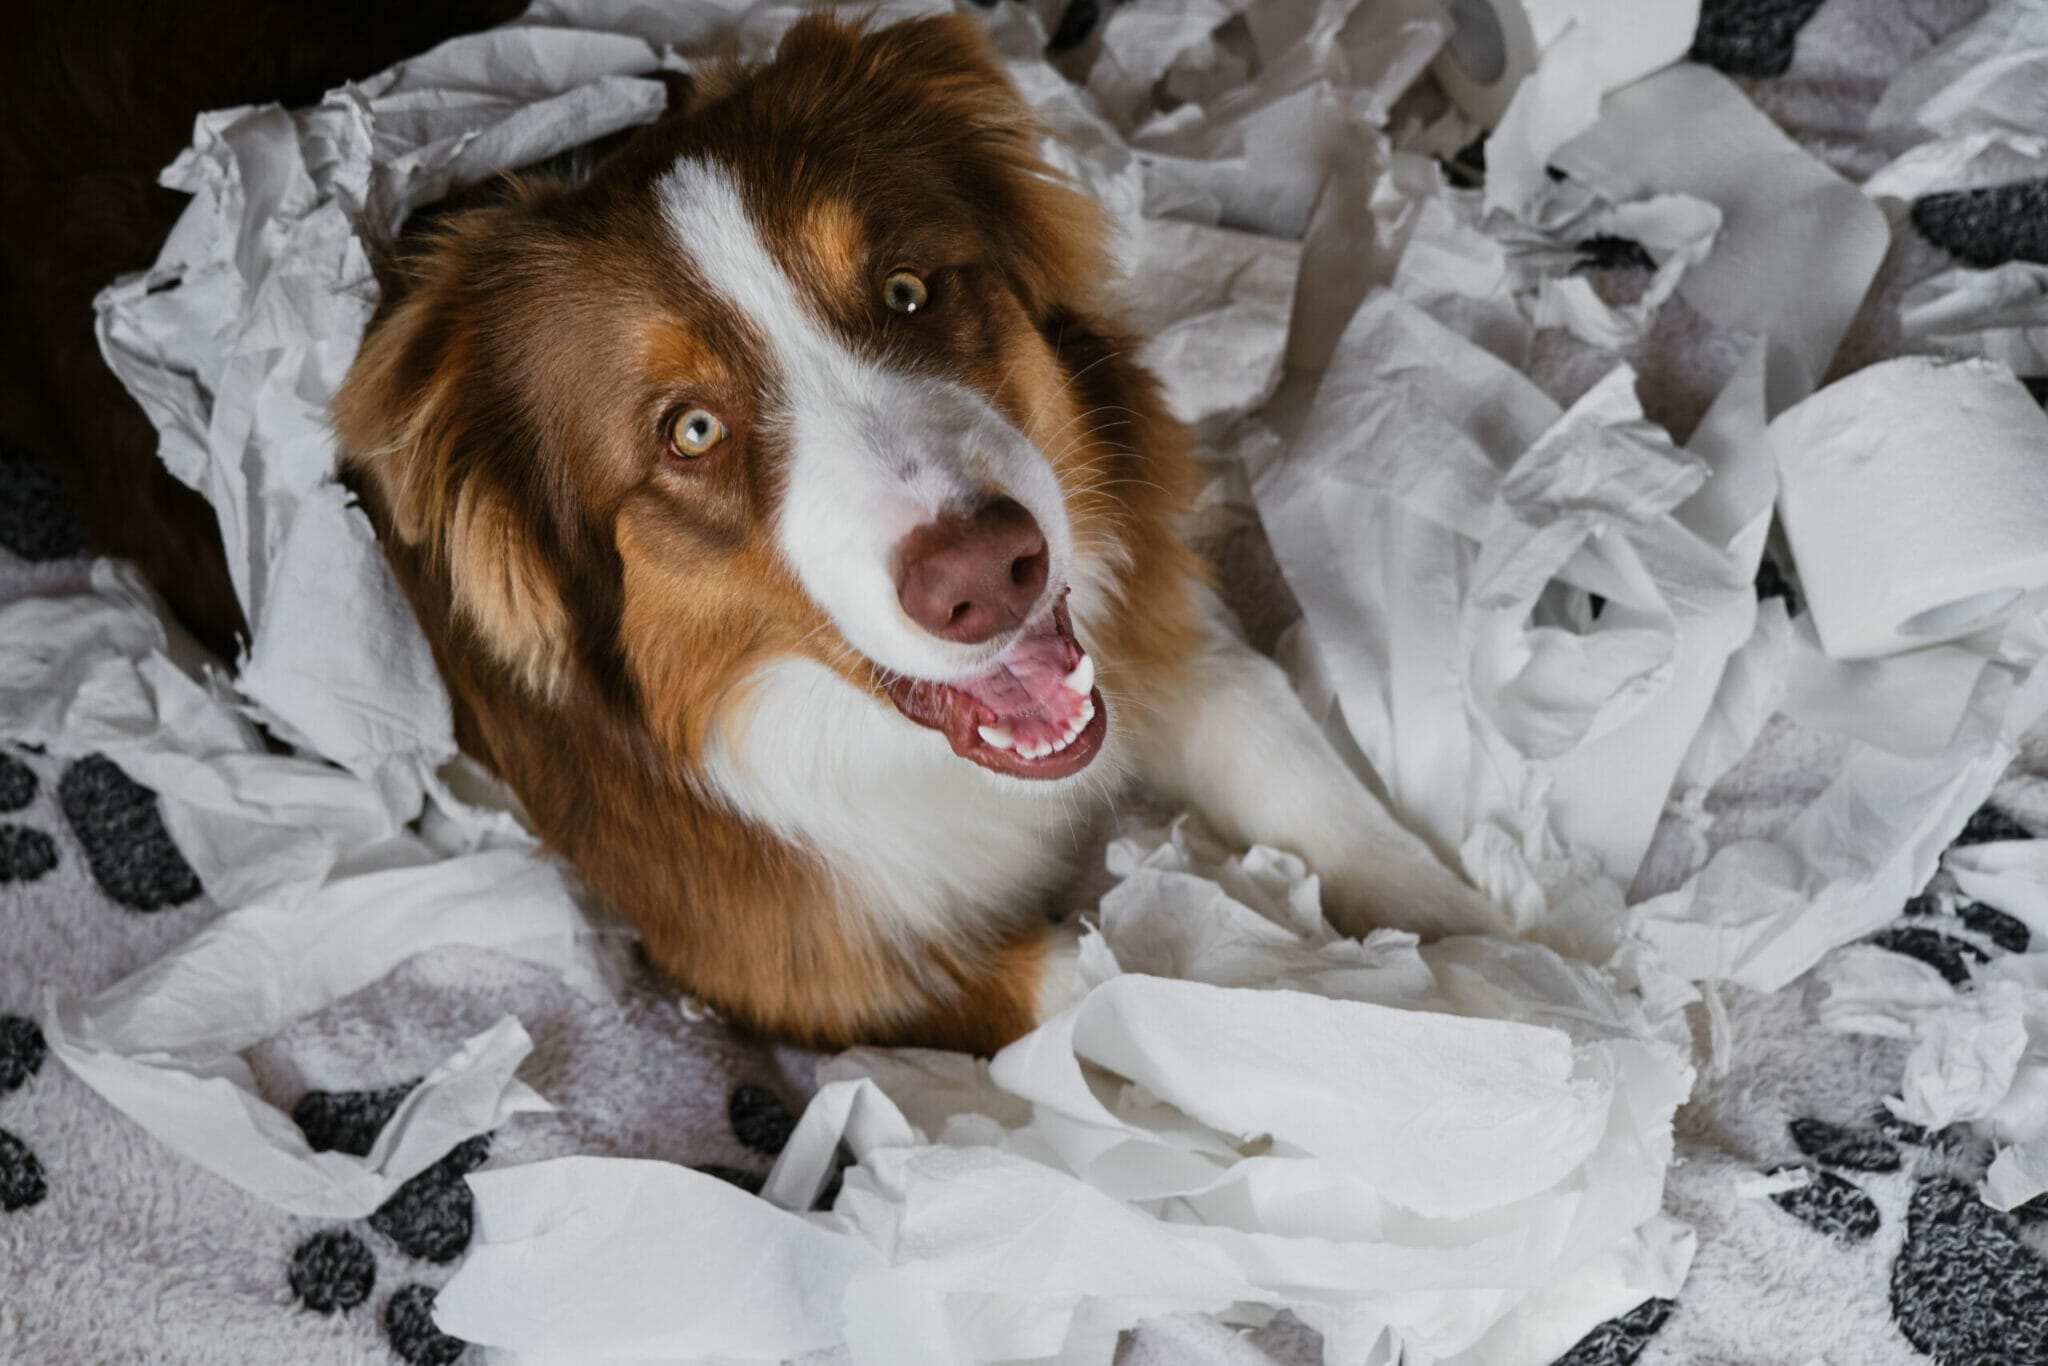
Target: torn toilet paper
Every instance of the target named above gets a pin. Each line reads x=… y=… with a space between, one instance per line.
x=1537 y=69
x=325 y=894
x=1979 y=1054
x=1763 y=911
x=1977 y=102
x=1411 y=1149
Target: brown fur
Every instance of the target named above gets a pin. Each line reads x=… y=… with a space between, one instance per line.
x=596 y=605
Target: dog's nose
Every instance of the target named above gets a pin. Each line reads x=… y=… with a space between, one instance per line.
x=967 y=578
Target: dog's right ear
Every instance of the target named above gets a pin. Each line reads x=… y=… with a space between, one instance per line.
x=445 y=460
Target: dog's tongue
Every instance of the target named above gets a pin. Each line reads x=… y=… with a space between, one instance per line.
x=1038 y=701
x=1030 y=683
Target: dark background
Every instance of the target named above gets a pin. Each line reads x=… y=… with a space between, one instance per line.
x=95 y=99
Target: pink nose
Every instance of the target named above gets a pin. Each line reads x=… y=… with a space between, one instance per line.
x=966 y=578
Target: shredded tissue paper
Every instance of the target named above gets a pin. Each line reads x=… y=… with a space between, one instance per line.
x=1527 y=609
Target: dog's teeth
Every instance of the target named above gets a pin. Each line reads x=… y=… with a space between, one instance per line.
x=997 y=737
x=1062 y=743
x=1077 y=725
x=1082 y=679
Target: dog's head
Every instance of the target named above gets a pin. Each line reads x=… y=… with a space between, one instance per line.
x=781 y=378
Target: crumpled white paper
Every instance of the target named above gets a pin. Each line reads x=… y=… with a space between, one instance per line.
x=1490 y=737
x=1446 y=1154
x=1979 y=1054
x=325 y=894
x=1581 y=50
x=1978 y=98
x=1931 y=732
x=1529 y=265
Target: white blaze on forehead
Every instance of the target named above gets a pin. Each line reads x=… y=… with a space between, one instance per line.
x=873 y=452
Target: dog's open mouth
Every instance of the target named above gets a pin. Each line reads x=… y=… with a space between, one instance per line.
x=1036 y=714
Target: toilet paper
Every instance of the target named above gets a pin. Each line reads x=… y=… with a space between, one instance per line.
x=1915 y=497
x=1535 y=72
x=1490 y=50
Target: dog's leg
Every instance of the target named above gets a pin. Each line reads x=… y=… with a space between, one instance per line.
x=1234 y=742
x=816 y=974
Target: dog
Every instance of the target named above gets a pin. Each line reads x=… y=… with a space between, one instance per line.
x=802 y=542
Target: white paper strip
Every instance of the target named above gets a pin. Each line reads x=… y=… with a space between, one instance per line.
x=1403 y=1147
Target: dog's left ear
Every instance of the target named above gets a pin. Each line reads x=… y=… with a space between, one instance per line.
x=440 y=459
x=934 y=83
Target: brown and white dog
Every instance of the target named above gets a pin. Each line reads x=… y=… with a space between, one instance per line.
x=806 y=549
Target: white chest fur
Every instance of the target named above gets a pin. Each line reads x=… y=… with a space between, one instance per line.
x=929 y=843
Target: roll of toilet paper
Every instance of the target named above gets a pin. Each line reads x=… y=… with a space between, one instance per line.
x=1597 y=45
x=1915 y=498
x=1491 y=49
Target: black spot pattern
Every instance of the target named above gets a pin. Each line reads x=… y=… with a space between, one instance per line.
x=1750 y=37
x=348 y=1121
x=1987 y=825
x=25 y=854
x=1830 y=1205
x=1951 y=1140
x=1988 y=226
x=1607 y=252
x=17 y=783
x=1946 y=955
x=1621 y=1339
x=35 y=520
x=21 y=1176
x=760 y=1119
x=332 y=1270
x=750 y=1182
x=1858 y=1150
x=125 y=843
x=1900 y=1130
x=1965 y=1289
x=409 y=1323
x=432 y=1215
x=1077 y=21
x=21 y=1051
x=2001 y=929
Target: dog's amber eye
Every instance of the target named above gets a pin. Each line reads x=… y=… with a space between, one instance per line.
x=694 y=432
x=904 y=292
